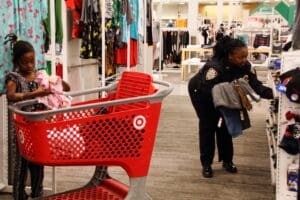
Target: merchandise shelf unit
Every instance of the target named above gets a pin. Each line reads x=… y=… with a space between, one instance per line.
x=272 y=124
x=290 y=60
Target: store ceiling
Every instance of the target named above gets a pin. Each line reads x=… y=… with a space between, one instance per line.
x=214 y=1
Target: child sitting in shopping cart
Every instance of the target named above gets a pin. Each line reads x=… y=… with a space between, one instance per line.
x=21 y=85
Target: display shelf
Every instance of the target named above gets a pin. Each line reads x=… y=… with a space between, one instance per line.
x=259 y=50
x=192 y=61
x=187 y=61
x=284 y=160
x=272 y=126
x=271 y=132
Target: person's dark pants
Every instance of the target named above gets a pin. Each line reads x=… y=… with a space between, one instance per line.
x=208 y=126
x=20 y=177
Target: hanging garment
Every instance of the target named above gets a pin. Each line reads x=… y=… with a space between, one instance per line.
x=167 y=44
x=24 y=19
x=58 y=25
x=155 y=31
x=91 y=34
x=134 y=5
x=117 y=21
x=110 y=35
x=126 y=10
x=110 y=68
x=121 y=54
x=70 y=4
x=149 y=22
x=76 y=7
x=183 y=39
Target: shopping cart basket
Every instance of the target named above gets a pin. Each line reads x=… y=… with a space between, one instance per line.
x=83 y=135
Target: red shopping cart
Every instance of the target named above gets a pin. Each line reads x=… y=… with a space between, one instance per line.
x=83 y=135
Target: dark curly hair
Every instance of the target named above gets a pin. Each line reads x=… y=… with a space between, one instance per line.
x=226 y=46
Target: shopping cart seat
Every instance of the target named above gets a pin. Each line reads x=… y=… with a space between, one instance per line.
x=133 y=84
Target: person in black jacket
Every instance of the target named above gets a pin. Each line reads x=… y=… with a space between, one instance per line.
x=229 y=62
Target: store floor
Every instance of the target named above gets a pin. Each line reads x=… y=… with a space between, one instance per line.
x=175 y=172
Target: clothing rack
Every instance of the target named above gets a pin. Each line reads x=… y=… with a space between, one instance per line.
x=161 y=41
x=128 y=40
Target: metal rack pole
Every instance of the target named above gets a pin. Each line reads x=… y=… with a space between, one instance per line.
x=145 y=37
x=128 y=48
x=103 y=10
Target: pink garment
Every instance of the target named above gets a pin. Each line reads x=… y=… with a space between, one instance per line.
x=57 y=99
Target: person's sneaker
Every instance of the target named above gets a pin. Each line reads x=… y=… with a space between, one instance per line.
x=207 y=171
x=230 y=167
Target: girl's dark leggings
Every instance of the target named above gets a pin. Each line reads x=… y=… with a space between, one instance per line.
x=20 y=177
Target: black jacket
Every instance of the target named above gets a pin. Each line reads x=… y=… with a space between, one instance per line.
x=214 y=72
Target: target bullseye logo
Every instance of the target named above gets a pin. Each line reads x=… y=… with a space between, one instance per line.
x=139 y=122
x=21 y=136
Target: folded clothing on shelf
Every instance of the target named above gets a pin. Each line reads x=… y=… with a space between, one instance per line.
x=291 y=81
x=290 y=139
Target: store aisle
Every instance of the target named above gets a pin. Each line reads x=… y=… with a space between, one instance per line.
x=175 y=172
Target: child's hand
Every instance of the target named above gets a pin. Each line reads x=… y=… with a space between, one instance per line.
x=42 y=91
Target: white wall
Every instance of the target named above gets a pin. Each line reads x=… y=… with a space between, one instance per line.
x=170 y=11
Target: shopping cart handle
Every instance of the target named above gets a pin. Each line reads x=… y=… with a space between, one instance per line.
x=162 y=93
x=40 y=115
x=109 y=88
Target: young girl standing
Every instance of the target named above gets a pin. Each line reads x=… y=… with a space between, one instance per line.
x=20 y=85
